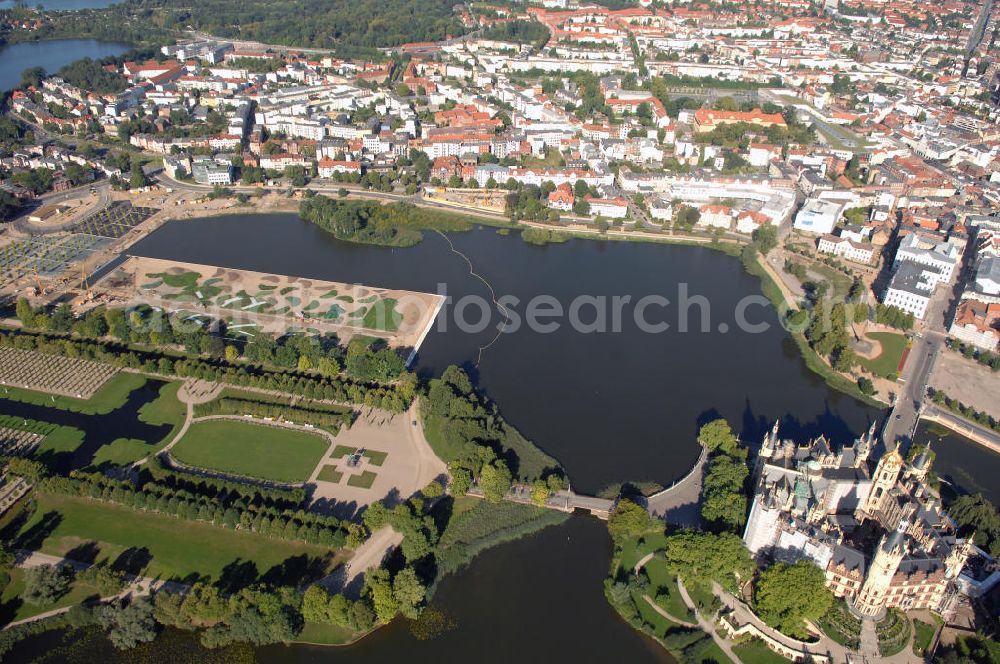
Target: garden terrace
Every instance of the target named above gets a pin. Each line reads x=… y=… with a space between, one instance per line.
x=53 y=373
x=251 y=303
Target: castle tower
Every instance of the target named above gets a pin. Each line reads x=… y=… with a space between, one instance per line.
x=921 y=465
x=769 y=449
x=864 y=446
x=870 y=601
x=885 y=478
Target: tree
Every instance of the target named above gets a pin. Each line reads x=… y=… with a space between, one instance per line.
x=766 y=238
x=129 y=624
x=45 y=584
x=581 y=208
x=379 y=589
x=409 y=592
x=717 y=436
x=25 y=312
x=785 y=595
x=137 y=178
x=627 y=519
x=9 y=206
x=974 y=513
x=704 y=557
x=494 y=481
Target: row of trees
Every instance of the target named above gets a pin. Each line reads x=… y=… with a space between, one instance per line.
x=395 y=398
x=332 y=419
x=147 y=326
x=723 y=491
x=221 y=490
x=467 y=434
x=153 y=497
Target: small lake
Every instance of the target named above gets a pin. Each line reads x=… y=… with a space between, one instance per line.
x=52 y=55
x=610 y=406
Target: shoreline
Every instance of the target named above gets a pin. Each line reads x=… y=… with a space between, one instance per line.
x=966 y=430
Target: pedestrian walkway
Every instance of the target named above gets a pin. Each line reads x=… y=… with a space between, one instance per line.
x=707 y=626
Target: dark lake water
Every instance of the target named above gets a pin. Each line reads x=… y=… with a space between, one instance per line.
x=969 y=467
x=610 y=406
x=51 y=55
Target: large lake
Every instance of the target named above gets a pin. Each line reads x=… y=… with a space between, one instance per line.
x=51 y=55
x=611 y=406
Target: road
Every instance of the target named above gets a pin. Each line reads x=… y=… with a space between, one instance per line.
x=926 y=346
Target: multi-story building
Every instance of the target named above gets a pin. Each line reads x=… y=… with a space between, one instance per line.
x=882 y=538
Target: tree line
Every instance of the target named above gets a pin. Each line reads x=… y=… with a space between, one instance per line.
x=151 y=496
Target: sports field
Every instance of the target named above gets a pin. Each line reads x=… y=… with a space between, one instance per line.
x=254 y=450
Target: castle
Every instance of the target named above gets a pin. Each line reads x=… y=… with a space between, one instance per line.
x=882 y=538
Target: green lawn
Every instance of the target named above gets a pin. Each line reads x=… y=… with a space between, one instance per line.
x=178 y=549
x=327 y=635
x=375 y=458
x=923 y=634
x=756 y=652
x=663 y=589
x=165 y=409
x=13 y=608
x=635 y=548
x=329 y=473
x=362 y=481
x=650 y=615
x=111 y=396
x=340 y=451
x=892 y=352
x=253 y=450
x=713 y=655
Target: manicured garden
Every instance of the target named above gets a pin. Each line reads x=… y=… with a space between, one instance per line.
x=173 y=548
x=887 y=363
x=893 y=633
x=757 y=652
x=252 y=450
x=842 y=626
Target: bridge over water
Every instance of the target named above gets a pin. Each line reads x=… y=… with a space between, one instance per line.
x=677 y=504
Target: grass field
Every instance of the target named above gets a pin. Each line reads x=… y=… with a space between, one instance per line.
x=375 y=457
x=663 y=589
x=111 y=396
x=267 y=452
x=176 y=549
x=362 y=481
x=56 y=438
x=340 y=451
x=892 y=352
x=756 y=652
x=165 y=409
x=923 y=634
x=329 y=473
x=327 y=635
